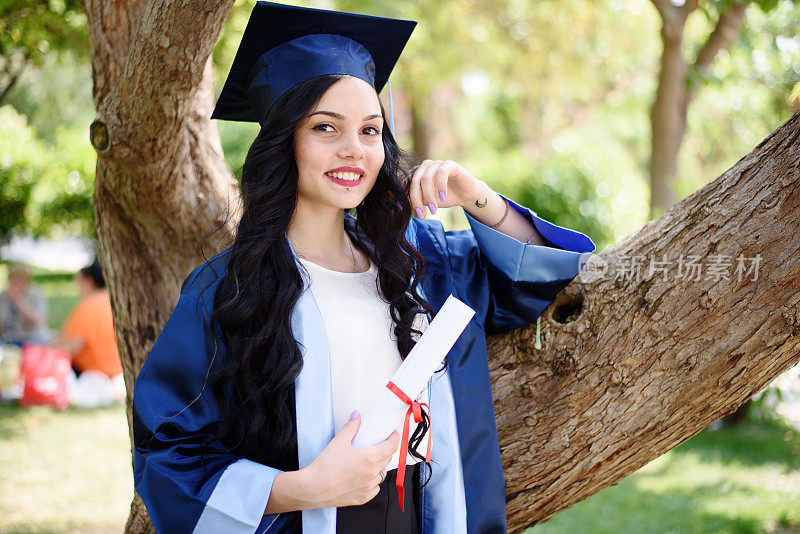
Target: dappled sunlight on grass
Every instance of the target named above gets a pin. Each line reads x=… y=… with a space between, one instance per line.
x=741 y=480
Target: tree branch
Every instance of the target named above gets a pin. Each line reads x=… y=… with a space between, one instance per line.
x=635 y=361
x=675 y=15
x=728 y=25
x=14 y=76
x=663 y=7
x=688 y=7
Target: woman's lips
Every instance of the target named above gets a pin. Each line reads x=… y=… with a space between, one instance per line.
x=348 y=183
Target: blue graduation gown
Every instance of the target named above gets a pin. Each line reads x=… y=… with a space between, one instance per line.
x=506 y=282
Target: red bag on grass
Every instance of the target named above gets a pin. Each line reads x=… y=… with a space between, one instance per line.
x=46 y=371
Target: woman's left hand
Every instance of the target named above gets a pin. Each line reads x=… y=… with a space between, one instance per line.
x=442 y=184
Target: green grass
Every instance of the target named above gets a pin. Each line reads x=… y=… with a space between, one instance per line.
x=738 y=481
x=64 y=471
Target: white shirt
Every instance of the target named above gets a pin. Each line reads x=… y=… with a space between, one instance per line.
x=363 y=348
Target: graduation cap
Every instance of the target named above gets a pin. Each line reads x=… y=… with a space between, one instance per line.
x=283 y=46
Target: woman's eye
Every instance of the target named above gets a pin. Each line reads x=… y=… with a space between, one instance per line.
x=320 y=127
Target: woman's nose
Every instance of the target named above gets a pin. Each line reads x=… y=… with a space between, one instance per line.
x=351 y=146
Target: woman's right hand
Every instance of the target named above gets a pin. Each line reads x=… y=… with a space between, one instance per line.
x=343 y=475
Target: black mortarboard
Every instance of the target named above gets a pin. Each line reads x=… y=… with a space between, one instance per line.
x=285 y=45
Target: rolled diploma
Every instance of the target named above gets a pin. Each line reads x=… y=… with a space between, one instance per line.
x=415 y=371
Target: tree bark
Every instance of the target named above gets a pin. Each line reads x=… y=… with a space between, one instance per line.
x=628 y=368
x=161 y=182
x=632 y=365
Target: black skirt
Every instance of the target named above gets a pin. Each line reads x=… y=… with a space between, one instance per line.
x=382 y=514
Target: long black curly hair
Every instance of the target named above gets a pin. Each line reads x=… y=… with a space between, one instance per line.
x=255 y=298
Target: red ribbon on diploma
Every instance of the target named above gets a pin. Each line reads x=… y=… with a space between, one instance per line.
x=415 y=408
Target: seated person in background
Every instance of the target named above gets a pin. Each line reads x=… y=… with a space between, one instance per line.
x=23 y=310
x=88 y=333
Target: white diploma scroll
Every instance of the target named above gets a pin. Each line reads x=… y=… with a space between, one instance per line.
x=413 y=374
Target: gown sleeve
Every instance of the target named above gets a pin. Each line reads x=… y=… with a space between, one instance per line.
x=511 y=283
x=174 y=412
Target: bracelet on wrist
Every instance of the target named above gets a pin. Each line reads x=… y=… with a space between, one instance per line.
x=508 y=208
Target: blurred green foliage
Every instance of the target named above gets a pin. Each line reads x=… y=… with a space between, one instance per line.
x=561 y=188
x=31 y=31
x=16 y=182
x=46 y=186
x=547 y=101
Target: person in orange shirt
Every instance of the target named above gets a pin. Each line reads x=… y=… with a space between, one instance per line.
x=88 y=333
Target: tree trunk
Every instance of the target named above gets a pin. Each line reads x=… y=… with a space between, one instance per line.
x=628 y=369
x=420 y=131
x=674 y=92
x=161 y=182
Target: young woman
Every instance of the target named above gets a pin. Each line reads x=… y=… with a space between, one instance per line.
x=245 y=409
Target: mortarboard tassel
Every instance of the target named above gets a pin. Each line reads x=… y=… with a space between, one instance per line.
x=391 y=110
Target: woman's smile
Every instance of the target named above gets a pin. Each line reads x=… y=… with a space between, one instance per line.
x=348 y=179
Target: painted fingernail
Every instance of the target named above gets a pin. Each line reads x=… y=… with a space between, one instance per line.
x=354 y=415
x=441 y=196
x=432 y=207
x=420 y=213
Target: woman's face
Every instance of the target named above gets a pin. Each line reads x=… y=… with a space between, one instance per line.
x=344 y=129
